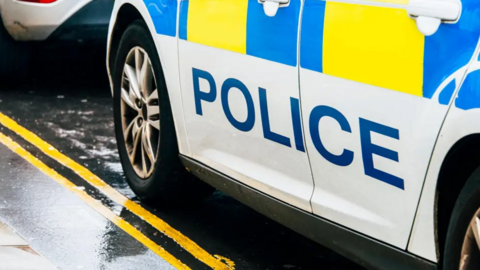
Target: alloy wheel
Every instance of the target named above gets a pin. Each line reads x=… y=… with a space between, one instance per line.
x=140 y=112
x=470 y=256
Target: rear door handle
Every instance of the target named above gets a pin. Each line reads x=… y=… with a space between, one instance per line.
x=429 y=14
x=270 y=7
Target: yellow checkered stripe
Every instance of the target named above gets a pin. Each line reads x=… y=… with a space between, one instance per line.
x=371 y=44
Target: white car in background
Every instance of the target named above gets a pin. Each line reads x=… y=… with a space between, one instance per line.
x=23 y=22
x=353 y=122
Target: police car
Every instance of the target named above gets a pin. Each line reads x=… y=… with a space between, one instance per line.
x=23 y=22
x=353 y=122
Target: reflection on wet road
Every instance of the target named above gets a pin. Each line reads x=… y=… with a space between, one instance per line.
x=58 y=225
x=69 y=109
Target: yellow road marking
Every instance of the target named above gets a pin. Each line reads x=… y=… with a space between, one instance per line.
x=190 y=246
x=226 y=260
x=98 y=206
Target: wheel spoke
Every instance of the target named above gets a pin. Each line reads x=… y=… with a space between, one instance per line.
x=475 y=227
x=132 y=77
x=127 y=99
x=154 y=123
x=138 y=68
x=144 y=162
x=153 y=110
x=136 y=135
x=147 y=144
x=153 y=104
x=136 y=129
x=128 y=130
x=153 y=96
x=145 y=77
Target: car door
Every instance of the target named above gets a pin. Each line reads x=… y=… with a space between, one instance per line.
x=375 y=92
x=240 y=90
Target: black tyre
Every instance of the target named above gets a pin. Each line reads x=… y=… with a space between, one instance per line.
x=143 y=119
x=462 y=246
x=14 y=57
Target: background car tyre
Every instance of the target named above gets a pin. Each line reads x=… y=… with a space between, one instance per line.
x=462 y=247
x=14 y=57
x=144 y=125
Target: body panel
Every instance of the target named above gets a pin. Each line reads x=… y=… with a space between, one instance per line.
x=239 y=87
x=365 y=251
x=462 y=120
x=374 y=96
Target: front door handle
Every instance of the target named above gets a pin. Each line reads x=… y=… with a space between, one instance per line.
x=429 y=14
x=271 y=6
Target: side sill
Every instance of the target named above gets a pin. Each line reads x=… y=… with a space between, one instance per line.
x=365 y=251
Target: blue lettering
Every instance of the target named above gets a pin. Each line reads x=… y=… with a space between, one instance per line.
x=250 y=121
x=267 y=133
x=318 y=112
x=344 y=159
x=199 y=95
x=297 y=124
x=368 y=149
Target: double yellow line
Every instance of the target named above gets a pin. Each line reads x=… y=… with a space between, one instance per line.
x=215 y=262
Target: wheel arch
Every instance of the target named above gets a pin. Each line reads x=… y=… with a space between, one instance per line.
x=460 y=162
x=124 y=13
x=453 y=160
x=124 y=16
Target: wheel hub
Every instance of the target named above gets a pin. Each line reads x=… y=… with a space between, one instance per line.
x=139 y=103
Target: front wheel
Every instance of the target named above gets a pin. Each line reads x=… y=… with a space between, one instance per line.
x=144 y=124
x=462 y=247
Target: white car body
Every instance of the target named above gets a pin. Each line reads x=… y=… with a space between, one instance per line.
x=29 y=21
x=34 y=21
x=352 y=125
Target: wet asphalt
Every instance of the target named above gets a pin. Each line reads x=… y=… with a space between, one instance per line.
x=66 y=101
